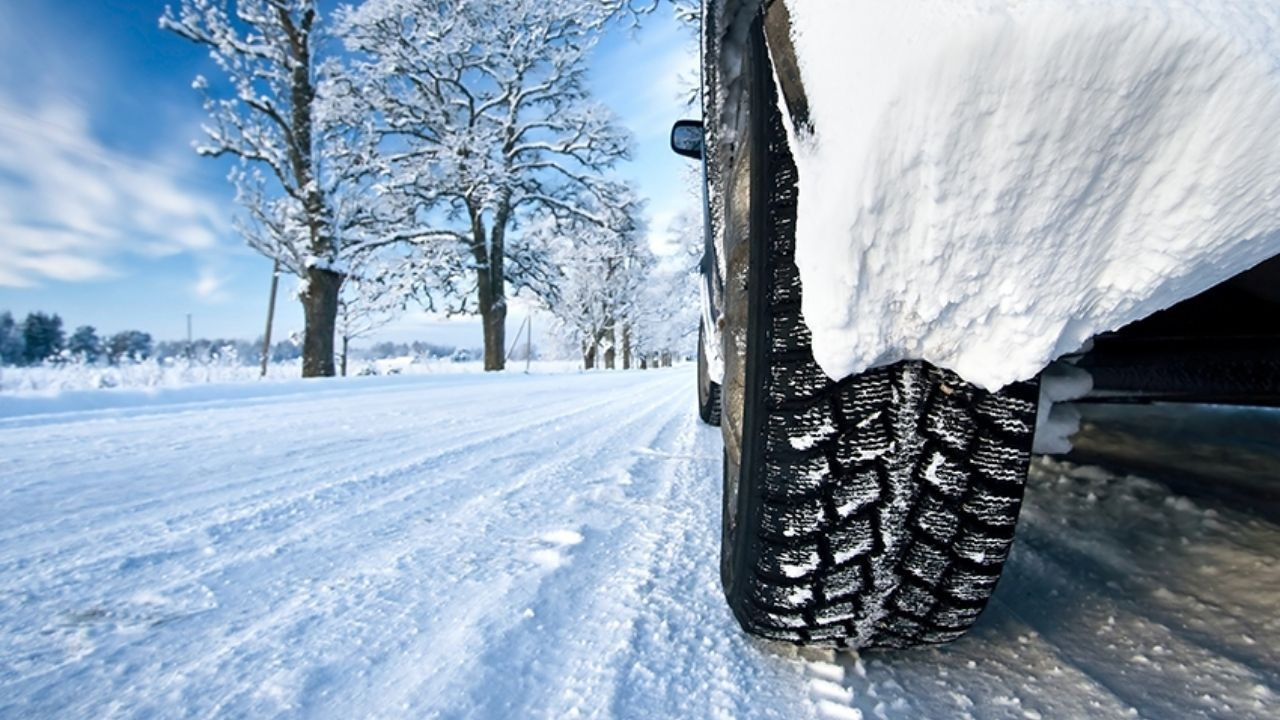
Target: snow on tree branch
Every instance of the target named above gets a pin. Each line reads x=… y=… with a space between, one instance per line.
x=299 y=164
x=486 y=132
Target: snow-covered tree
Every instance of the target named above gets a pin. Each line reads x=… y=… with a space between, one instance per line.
x=486 y=128
x=85 y=344
x=42 y=337
x=666 y=321
x=11 y=344
x=129 y=345
x=294 y=164
x=600 y=284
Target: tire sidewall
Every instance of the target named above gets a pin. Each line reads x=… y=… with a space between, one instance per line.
x=740 y=514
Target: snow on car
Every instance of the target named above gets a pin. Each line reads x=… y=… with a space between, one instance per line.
x=988 y=185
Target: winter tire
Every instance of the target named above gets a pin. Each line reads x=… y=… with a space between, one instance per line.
x=876 y=511
x=708 y=389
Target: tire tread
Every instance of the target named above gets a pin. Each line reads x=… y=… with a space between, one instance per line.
x=886 y=501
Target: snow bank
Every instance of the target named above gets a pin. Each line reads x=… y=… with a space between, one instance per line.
x=22 y=407
x=51 y=378
x=990 y=183
x=53 y=391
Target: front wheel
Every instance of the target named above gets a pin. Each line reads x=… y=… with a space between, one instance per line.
x=874 y=511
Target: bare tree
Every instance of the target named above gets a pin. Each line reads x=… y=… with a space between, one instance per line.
x=486 y=128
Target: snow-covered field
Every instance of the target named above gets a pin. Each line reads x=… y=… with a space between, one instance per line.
x=546 y=546
x=49 y=379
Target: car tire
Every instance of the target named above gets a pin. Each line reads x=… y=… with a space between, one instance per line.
x=873 y=511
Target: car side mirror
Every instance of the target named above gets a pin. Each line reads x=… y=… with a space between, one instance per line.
x=686 y=138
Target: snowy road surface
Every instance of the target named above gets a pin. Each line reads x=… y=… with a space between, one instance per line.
x=546 y=546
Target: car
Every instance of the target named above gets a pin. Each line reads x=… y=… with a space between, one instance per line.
x=877 y=509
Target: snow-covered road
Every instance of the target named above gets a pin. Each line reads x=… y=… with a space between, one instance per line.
x=546 y=546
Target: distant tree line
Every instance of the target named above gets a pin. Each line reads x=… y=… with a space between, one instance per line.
x=417 y=348
x=40 y=338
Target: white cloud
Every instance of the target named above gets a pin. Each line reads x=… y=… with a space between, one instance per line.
x=72 y=209
x=19 y=269
x=209 y=286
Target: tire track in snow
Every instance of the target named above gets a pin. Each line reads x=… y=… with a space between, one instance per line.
x=489 y=586
x=301 y=480
x=575 y=680
x=598 y=491
x=1084 y=624
x=1133 y=605
x=587 y=418
x=685 y=655
x=370 y=571
x=253 y=426
x=290 y=424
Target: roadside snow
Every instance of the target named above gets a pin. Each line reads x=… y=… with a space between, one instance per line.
x=152 y=375
x=990 y=183
x=547 y=547
x=51 y=378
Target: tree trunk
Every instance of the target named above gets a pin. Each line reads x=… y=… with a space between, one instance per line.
x=610 y=352
x=491 y=290
x=493 y=317
x=320 y=302
x=588 y=356
x=345 y=342
x=320 y=311
x=626 y=347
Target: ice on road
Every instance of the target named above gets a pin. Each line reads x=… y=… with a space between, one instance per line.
x=547 y=547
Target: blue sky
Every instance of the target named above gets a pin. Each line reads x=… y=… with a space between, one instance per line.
x=108 y=217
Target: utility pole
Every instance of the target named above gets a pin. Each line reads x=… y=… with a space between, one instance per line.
x=271 y=316
x=516 y=341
